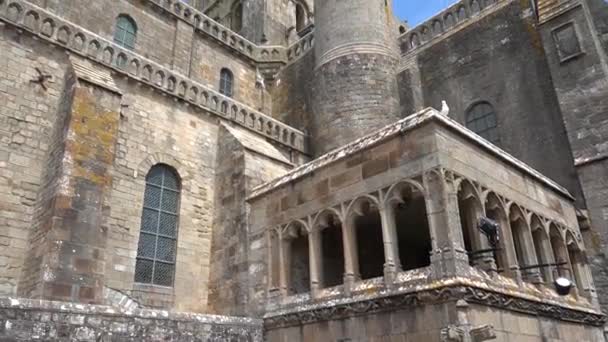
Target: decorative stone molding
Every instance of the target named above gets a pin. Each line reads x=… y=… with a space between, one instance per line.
x=51 y=28
x=433 y=296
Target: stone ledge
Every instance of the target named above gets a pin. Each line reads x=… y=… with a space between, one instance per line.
x=450 y=290
x=108 y=311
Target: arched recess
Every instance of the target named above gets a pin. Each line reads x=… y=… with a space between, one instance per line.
x=470 y=210
x=330 y=249
x=296 y=260
x=505 y=257
x=407 y=206
x=578 y=264
x=522 y=240
x=236 y=16
x=274 y=259
x=364 y=234
x=560 y=252
x=542 y=247
x=302 y=14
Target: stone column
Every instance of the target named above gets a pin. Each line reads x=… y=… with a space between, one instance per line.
x=316 y=280
x=351 y=258
x=284 y=265
x=449 y=257
x=512 y=266
x=392 y=263
x=532 y=275
x=485 y=260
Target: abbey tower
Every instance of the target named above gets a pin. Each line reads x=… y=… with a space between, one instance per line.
x=354 y=87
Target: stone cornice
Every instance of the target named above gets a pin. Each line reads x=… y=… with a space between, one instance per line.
x=402 y=127
x=102 y=310
x=44 y=25
x=439 y=295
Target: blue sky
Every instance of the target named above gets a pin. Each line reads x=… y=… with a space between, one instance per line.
x=416 y=11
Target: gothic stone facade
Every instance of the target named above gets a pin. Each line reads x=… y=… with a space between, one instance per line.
x=164 y=161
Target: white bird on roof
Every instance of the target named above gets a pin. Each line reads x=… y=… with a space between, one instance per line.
x=445 y=110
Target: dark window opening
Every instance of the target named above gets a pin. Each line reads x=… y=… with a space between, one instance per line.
x=226 y=82
x=518 y=231
x=499 y=255
x=540 y=241
x=559 y=252
x=236 y=17
x=413 y=232
x=300 y=17
x=370 y=245
x=468 y=224
x=576 y=261
x=125 y=32
x=157 y=247
x=299 y=262
x=333 y=255
x=481 y=119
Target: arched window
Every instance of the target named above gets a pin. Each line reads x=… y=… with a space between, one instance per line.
x=236 y=16
x=301 y=17
x=125 y=32
x=158 y=235
x=226 y=81
x=481 y=119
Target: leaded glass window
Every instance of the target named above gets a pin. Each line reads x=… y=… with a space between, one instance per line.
x=226 y=80
x=126 y=32
x=481 y=119
x=158 y=235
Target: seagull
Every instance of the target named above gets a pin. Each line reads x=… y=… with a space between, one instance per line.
x=445 y=110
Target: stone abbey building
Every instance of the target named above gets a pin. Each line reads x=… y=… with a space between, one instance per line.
x=303 y=171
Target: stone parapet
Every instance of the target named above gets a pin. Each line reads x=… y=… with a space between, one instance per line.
x=30 y=320
x=51 y=28
x=445 y=23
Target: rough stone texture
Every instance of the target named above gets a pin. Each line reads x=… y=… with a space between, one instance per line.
x=471 y=65
x=27 y=320
x=409 y=151
x=232 y=289
x=31 y=120
x=165 y=110
x=354 y=75
x=584 y=116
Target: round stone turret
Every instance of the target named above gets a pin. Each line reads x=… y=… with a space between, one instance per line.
x=354 y=90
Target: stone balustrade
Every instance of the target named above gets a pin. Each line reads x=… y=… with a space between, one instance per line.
x=445 y=22
x=230 y=39
x=45 y=25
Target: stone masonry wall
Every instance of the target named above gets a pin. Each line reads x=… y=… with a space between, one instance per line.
x=155 y=129
x=29 y=121
x=233 y=290
x=167 y=41
x=582 y=89
x=291 y=101
x=500 y=59
x=26 y=320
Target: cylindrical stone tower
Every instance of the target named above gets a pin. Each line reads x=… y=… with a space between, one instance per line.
x=354 y=90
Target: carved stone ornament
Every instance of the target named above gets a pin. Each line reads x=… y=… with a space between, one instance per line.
x=435 y=296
